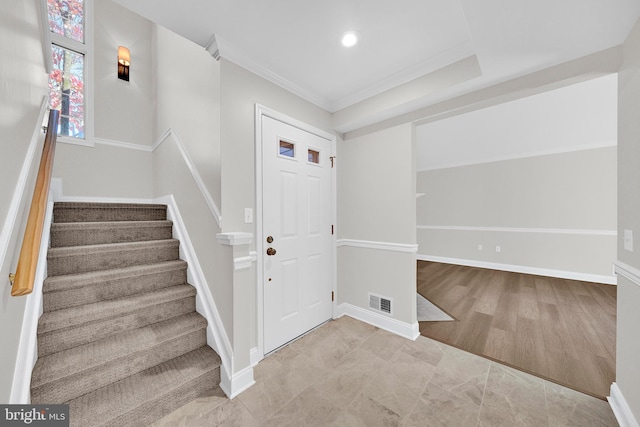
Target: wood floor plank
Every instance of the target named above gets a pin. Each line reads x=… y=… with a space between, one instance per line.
x=530 y=351
x=559 y=329
x=500 y=345
x=473 y=333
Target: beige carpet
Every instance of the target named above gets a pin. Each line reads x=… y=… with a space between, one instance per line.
x=119 y=340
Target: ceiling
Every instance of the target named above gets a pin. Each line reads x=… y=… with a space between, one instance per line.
x=296 y=44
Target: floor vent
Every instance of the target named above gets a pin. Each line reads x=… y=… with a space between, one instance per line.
x=379 y=303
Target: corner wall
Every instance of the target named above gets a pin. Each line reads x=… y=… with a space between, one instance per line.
x=376 y=223
x=628 y=344
x=23 y=86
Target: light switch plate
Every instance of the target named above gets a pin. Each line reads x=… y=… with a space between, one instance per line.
x=248 y=215
x=628 y=240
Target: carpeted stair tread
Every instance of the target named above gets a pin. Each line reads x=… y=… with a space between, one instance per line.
x=67 y=338
x=73 y=316
x=149 y=395
x=119 y=339
x=94 y=233
x=85 y=288
x=81 y=259
x=66 y=375
x=93 y=212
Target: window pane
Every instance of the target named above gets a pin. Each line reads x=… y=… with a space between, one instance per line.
x=287 y=149
x=66 y=91
x=66 y=17
x=314 y=156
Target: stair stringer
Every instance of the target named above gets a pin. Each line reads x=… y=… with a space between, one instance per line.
x=205 y=304
x=28 y=346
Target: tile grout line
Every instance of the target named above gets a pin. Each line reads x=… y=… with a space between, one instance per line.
x=484 y=390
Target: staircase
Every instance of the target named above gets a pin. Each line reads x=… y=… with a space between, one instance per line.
x=120 y=340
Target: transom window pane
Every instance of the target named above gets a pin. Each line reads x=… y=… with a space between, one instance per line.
x=66 y=91
x=66 y=17
x=287 y=149
x=314 y=156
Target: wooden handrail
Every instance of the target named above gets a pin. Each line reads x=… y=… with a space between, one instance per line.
x=26 y=272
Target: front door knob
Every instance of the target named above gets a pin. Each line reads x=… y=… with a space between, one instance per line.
x=271 y=251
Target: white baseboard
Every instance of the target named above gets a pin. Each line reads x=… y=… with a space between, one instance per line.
x=205 y=305
x=571 y=275
x=406 y=330
x=28 y=346
x=239 y=382
x=621 y=409
x=255 y=356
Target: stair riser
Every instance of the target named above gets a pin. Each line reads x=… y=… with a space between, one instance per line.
x=79 y=383
x=69 y=212
x=85 y=262
x=146 y=396
x=101 y=235
x=110 y=289
x=164 y=405
x=64 y=339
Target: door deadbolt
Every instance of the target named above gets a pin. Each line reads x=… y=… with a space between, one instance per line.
x=270 y=239
x=271 y=251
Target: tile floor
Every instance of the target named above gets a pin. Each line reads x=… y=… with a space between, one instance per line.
x=348 y=373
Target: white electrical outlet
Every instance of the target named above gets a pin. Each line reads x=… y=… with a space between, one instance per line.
x=628 y=240
x=248 y=215
x=479 y=247
x=498 y=248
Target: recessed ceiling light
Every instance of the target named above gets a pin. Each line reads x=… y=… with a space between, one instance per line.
x=349 y=39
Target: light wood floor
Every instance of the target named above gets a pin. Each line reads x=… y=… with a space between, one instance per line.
x=560 y=330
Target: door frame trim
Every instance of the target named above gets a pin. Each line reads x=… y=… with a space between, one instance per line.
x=262 y=111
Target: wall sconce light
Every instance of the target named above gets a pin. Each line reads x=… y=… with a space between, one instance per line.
x=124 y=60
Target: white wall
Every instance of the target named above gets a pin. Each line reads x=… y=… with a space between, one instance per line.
x=124 y=112
x=240 y=91
x=535 y=176
x=188 y=101
x=376 y=203
x=23 y=84
x=628 y=344
x=553 y=212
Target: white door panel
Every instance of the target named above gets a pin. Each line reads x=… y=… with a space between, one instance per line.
x=297 y=183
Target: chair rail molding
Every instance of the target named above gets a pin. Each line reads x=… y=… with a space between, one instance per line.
x=627 y=271
x=386 y=246
x=520 y=230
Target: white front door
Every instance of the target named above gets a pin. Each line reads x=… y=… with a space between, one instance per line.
x=297 y=231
